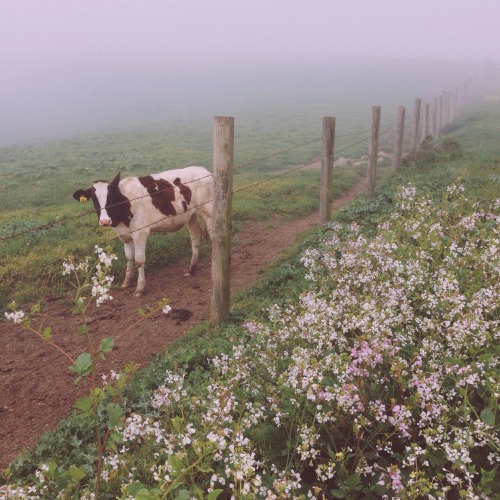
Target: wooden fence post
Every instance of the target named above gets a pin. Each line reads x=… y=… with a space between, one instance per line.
x=416 y=125
x=398 y=147
x=373 y=149
x=447 y=108
x=440 y=115
x=325 y=200
x=221 y=231
x=435 y=117
x=426 y=124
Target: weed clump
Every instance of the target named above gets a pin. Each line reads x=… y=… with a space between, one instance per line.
x=432 y=151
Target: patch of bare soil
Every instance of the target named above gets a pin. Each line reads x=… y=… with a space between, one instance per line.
x=36 y=387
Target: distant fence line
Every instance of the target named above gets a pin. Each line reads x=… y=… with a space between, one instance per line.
x=436 y=116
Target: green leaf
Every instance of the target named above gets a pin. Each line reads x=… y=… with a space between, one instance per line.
x=337 y=493
x=175 y=463
x=136 y=490
x=83 y=365
x=205 y=468
x=106 y=344
x=437 y=458
x=114 y=439
x=47 y=333
x=214 y=494
x=183 y=495
x=488 y=479
x=84 y=406
x=76 y=473
x=145 y=494
x=353 y=480
x=115 y=413
x=488 y=417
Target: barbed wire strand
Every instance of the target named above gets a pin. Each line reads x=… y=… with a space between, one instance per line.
x=65 y=220
x=55 y=223
x=233 y=192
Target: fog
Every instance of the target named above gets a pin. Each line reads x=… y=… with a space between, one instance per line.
x=69 y=67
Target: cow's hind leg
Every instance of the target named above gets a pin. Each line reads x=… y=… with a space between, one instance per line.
x=206 y=213
x=196 y=234
x=129 y=255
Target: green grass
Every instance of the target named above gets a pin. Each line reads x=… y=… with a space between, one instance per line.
x=431 y=169
x=52 y=226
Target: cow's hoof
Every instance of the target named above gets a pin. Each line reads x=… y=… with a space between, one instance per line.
x=138 y=293
x=125 y=285
x=187 y=274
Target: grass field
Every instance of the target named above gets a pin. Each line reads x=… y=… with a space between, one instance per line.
x=302 y=432
x=36 y=183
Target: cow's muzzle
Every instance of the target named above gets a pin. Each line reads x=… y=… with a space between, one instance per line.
x=104 y=222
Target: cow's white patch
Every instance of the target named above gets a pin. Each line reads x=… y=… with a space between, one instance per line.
x=101 y=193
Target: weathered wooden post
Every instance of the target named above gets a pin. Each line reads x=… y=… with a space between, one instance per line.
x=221 y=231
x=454 y=100
x=398 y=147
x=447 y=108
x=325 y=200
x=373 y=149
x=416 y=123
x=435 y=117
x=440 y=115
x=426 y=124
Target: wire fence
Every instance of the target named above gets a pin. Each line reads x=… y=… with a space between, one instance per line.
x=49 y=225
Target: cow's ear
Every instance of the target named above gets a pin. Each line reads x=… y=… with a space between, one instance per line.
x=82 y=195
x=116 y=180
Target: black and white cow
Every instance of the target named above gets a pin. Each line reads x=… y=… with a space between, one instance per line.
x=137 y=206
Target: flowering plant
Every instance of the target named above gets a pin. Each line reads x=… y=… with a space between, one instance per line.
x=92 y=284
x=382 y=380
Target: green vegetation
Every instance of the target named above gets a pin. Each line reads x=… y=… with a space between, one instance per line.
x=37 y=183
x=377 y=371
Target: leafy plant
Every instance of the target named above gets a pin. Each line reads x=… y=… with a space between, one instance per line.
x=100 y=410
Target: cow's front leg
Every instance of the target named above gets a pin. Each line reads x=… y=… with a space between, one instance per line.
x=196 y=234
x=140 y=263
x=129 y=255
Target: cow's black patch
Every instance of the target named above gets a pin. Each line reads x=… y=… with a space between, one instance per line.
x=185 y=191
x=118 y=206
x=83 y=194
x=161 y=192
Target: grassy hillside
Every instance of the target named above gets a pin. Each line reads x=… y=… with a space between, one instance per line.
x=380 y=379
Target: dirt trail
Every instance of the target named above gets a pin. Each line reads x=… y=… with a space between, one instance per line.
x=36 y=387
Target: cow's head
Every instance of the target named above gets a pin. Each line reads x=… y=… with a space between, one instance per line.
x=111 y=206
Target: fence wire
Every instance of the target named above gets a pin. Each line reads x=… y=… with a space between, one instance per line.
x=50 y=225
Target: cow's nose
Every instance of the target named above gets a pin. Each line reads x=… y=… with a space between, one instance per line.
x=104 y=222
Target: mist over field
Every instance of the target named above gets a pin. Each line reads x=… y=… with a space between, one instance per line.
x=79 y=67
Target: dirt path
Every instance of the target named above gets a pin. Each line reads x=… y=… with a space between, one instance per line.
x=36 y=387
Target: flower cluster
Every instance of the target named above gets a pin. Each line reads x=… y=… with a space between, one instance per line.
x=393 y=350
x=15 y=316
x=101 y=282
x=383 y=379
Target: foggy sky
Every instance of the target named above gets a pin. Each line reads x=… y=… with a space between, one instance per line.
x=65 y=64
